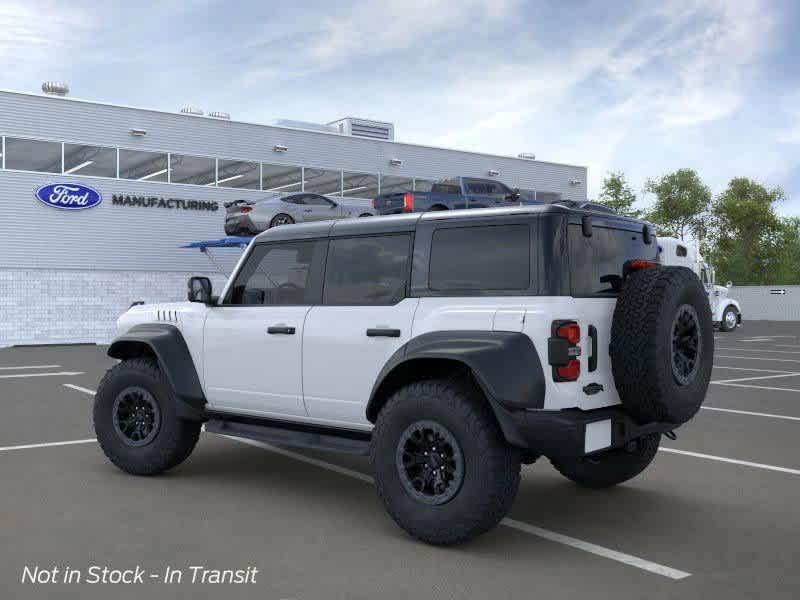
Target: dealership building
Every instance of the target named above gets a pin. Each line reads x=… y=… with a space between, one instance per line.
x=158 y=181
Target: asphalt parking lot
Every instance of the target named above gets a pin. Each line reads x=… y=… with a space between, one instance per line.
x=716 y=515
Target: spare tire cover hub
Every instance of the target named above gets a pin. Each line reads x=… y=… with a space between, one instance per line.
x=686 y=344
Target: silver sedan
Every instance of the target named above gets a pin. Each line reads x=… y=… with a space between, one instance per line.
x=249 y=217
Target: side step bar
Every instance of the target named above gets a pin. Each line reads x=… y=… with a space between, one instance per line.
x=292 y=434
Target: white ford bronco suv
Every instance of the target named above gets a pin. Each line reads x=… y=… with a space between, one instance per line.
x=449 y=347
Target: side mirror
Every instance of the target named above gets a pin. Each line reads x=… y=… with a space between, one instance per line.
x=199 y=290
x=729 y=285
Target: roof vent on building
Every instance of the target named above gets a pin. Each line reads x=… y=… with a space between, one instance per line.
x=527 y=155
x=55 y=88
x=376 y=130
x=216 y=114
x=192 y=110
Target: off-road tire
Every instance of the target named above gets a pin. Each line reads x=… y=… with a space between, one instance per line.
x=723 y=326
x=175 y=439
x=491 y=466
x=642 y=344
x=610 y=468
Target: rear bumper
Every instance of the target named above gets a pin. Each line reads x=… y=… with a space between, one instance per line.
x=573 y=432
x=239 y=224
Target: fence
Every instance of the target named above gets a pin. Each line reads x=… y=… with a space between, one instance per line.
x=768 y=302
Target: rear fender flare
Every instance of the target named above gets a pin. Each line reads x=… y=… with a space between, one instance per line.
x=505 y=365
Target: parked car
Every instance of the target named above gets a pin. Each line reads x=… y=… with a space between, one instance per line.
x=250 y=217
x=448 y=347
x=450 y=194
x=725 y=311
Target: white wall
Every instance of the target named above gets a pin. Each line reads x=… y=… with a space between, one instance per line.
x=759 y=303
x=43 y=306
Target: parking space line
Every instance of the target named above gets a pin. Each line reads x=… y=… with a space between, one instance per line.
x=750 y=413
x=79 y=389
x=756 y=387
x=552 y=536
x=759 y=350
x=751 y=369
x=21 y=375
x=786 y=345
x=758 y=377
x=733 y=461
x=46 y=445
x=791 y=360
x=30 y=367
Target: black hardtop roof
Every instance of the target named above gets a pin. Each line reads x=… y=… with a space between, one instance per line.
x=408 y=222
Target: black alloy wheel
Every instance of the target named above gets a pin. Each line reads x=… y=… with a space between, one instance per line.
x=430 y=462
x=136 y=416
x=686 y=344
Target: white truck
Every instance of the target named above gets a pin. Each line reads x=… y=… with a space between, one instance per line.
x=725 y=311
x=450 y=347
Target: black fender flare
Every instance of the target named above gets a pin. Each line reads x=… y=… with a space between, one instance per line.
x=169 y=347
x=505 y=364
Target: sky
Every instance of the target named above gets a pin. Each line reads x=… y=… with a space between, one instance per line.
x=639 y=87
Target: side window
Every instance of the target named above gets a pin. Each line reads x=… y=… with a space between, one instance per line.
x=279 y=274
x=487 y=258
x=295 y=199
x=317 y=200
x=704 y=276
x=680 y=251
x=369 y=270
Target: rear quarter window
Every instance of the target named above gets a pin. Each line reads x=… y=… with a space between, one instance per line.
x=596 y=262
x=482 y=258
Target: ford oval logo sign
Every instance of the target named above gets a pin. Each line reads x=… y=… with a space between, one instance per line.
x=69 y=196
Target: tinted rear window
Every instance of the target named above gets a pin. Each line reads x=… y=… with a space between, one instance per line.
x=367 y=270
x=488 y=258
x=445 y=188
x=596 y=262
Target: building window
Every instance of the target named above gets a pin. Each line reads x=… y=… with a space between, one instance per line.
x=396 y=185
x=195 y=170
x=323 y=181
x=360 y=185
x=33 y=155
x=238 y=174
x=144 y=166
x=280 y=178
x=90 y=160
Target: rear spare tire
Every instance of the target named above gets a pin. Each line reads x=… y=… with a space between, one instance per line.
x=662 y=344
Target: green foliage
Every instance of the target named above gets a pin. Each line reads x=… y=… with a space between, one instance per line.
x=618 y=195
x=682 y=201
x=749 y=243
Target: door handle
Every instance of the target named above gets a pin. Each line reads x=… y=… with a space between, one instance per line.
x=378 y=332
x=273 y=329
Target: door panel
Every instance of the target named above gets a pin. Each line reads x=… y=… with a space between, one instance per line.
x=249 y=370
x=341 y=361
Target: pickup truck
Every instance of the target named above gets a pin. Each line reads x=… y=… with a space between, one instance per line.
x=450 y=194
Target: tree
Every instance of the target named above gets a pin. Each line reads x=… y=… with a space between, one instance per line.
x=618 y=195
x=749 y=242
x=682 y=201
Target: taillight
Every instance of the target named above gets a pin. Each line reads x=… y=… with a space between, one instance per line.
x=246 y=209
x=571 y=371
x=570 y=332
x=564 y=349
x=635 y=265
x=375 y=204
x=408 y=202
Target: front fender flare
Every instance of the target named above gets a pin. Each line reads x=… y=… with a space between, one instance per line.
x=166 y=342
x=505 y=365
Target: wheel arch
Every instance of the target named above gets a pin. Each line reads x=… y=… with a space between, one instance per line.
x=486 y=356
x=166 y=344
